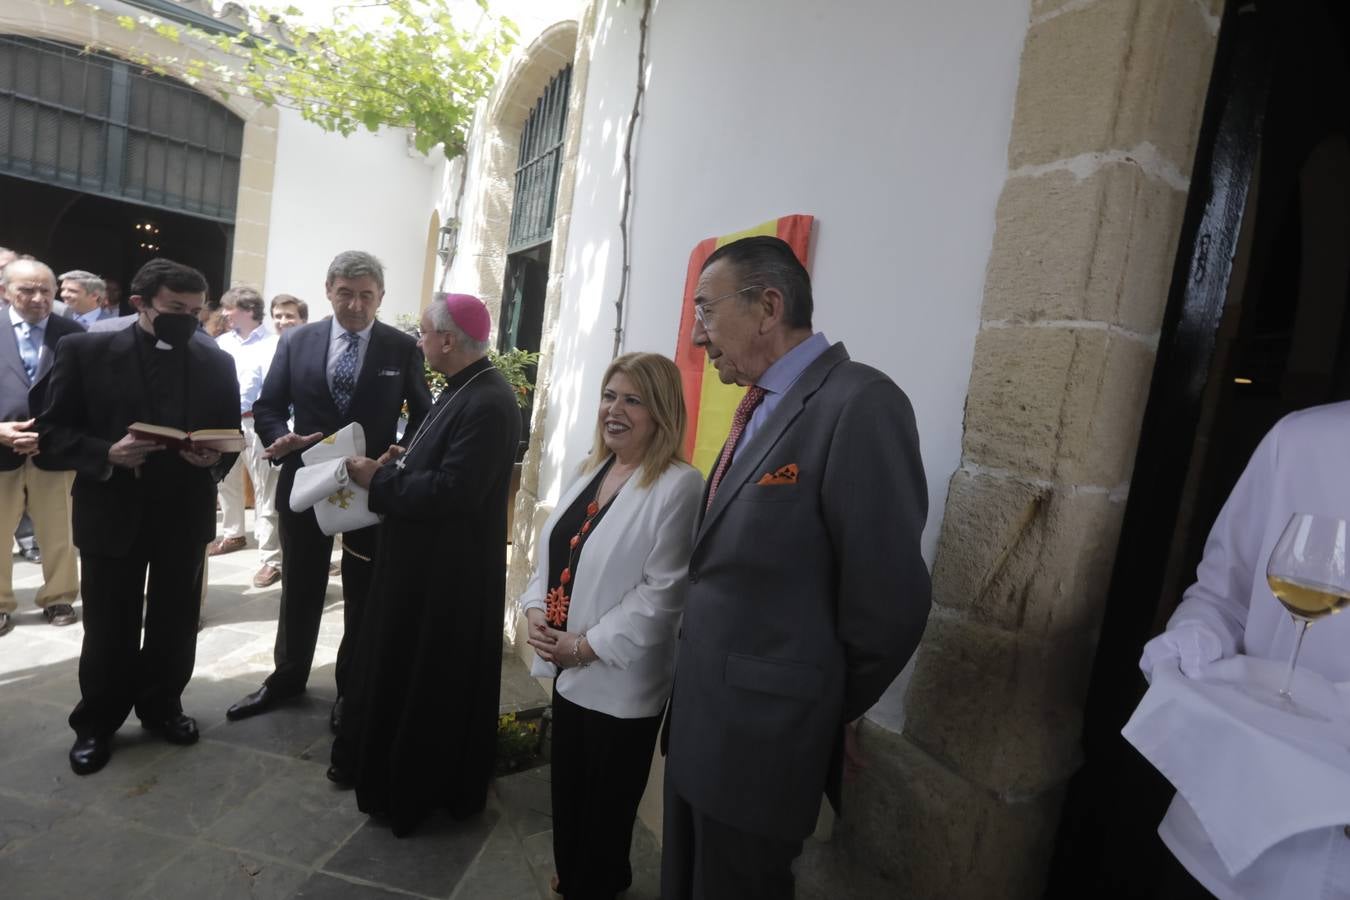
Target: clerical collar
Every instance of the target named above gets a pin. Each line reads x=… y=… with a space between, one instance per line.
x=464 y=374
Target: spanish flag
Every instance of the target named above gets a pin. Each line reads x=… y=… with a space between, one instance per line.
x=709 y=402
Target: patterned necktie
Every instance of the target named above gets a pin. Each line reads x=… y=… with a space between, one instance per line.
x=29 y=348
x=344 y=373
x=753 y=395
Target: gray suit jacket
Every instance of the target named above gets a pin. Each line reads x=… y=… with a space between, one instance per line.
x=805 y=600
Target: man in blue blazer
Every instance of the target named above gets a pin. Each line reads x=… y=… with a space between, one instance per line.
x=28 y=478
x=349 y=368
x=807 y=590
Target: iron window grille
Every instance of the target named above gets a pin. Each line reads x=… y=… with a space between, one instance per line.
x=102 y=125
x=540 y=161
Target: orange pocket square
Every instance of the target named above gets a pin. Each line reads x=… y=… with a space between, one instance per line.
x=782 y=475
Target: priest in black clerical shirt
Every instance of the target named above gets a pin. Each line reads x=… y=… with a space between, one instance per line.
x=421 y=724
x=137 y=506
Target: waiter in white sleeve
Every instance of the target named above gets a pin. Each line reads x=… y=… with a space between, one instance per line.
x=1302 y=465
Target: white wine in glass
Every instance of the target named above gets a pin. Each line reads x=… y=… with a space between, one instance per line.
x=1308 y=573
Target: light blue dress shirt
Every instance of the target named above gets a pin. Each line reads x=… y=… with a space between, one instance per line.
x=36 y=332
x=781 y=376
x=336 y=345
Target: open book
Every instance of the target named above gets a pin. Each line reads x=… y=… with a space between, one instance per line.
x=226 y=440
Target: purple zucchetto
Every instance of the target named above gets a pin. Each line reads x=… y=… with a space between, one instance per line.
x=470 y=315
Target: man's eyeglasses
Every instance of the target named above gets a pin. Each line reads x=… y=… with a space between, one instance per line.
x=703 y=311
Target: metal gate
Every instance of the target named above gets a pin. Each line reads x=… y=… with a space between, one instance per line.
x=101 y=125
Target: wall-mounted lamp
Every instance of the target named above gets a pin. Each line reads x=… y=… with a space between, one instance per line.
x=445 y=244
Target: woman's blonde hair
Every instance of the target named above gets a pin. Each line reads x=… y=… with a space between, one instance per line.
x=659 y=385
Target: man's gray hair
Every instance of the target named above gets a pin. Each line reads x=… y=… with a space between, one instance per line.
x=441 y=320
x=26 y=260
x=355 y=264
x=87 y=280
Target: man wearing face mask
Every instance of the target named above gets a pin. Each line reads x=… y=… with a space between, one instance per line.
x=138 y=506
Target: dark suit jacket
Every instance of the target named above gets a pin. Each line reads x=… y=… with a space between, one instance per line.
x=97 y=388
x=391 y=372
x=805 y=600
x=20 y=400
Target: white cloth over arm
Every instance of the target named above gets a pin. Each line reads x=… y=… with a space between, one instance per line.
x=1302 y=465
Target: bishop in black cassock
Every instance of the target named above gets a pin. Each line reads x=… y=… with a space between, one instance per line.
x=421 y=722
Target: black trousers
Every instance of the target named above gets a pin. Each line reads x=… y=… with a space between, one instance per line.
x=306 y=552
x=600 y=767
x=703 y=859
x=119 y=672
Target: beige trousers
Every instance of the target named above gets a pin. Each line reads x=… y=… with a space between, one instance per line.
x=47 y=496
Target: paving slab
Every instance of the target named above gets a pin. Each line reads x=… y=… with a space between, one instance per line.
x=246 y=812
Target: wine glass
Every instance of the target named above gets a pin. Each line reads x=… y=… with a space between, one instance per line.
x=1307 y=573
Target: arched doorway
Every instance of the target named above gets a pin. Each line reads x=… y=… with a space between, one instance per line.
x=529 y=241
x=1258 y=325
x=104 y=165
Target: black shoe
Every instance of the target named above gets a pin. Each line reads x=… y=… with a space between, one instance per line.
x=32 y=554
x=89 y=755
x=341 y=777
x=6 y=623
x=256 y=703
x=335 y=716
x=60 y=614
x=176 y=729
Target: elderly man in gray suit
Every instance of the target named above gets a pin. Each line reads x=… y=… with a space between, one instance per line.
x=807 y=590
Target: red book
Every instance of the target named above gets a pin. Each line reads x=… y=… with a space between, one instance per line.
x=226 y=440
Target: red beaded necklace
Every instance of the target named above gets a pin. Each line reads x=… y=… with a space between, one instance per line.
x=559 y=598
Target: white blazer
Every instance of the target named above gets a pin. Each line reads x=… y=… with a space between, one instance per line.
x=628 y=596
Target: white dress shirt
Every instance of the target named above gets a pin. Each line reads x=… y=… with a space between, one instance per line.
x=252 y=357
x=1302 y=465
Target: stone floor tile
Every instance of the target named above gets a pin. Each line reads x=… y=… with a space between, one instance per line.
x=190 y=789
x=288 y=730
x=212 y=873
x=27 y=724
x=326 y=887
x=88 y=855
x=22 y=818
x=526 y=800
x=45 y=772
x=431 y=861
x=501 y=871
x=296 y=815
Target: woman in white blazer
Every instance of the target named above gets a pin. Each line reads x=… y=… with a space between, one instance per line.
x=603 y=607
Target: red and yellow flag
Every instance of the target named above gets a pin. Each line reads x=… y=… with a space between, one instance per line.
x=709 y=402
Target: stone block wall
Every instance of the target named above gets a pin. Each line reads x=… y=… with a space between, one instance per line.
x=965 y=802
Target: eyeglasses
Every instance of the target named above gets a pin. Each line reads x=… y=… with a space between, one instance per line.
x=703 y=312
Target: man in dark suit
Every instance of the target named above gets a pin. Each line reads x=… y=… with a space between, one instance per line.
x=349 y=368
x=28 y=478
x=83 y=293
x=138 y=506
x=807 y=590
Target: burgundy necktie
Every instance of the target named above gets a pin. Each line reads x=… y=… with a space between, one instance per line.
x=753 y=395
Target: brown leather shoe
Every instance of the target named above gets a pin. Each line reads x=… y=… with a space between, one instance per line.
x=226 y=545
x=266 y=576
x=60 y=614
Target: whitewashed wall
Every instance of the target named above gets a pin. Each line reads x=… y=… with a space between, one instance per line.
x=886 y=120
x=362 y=192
